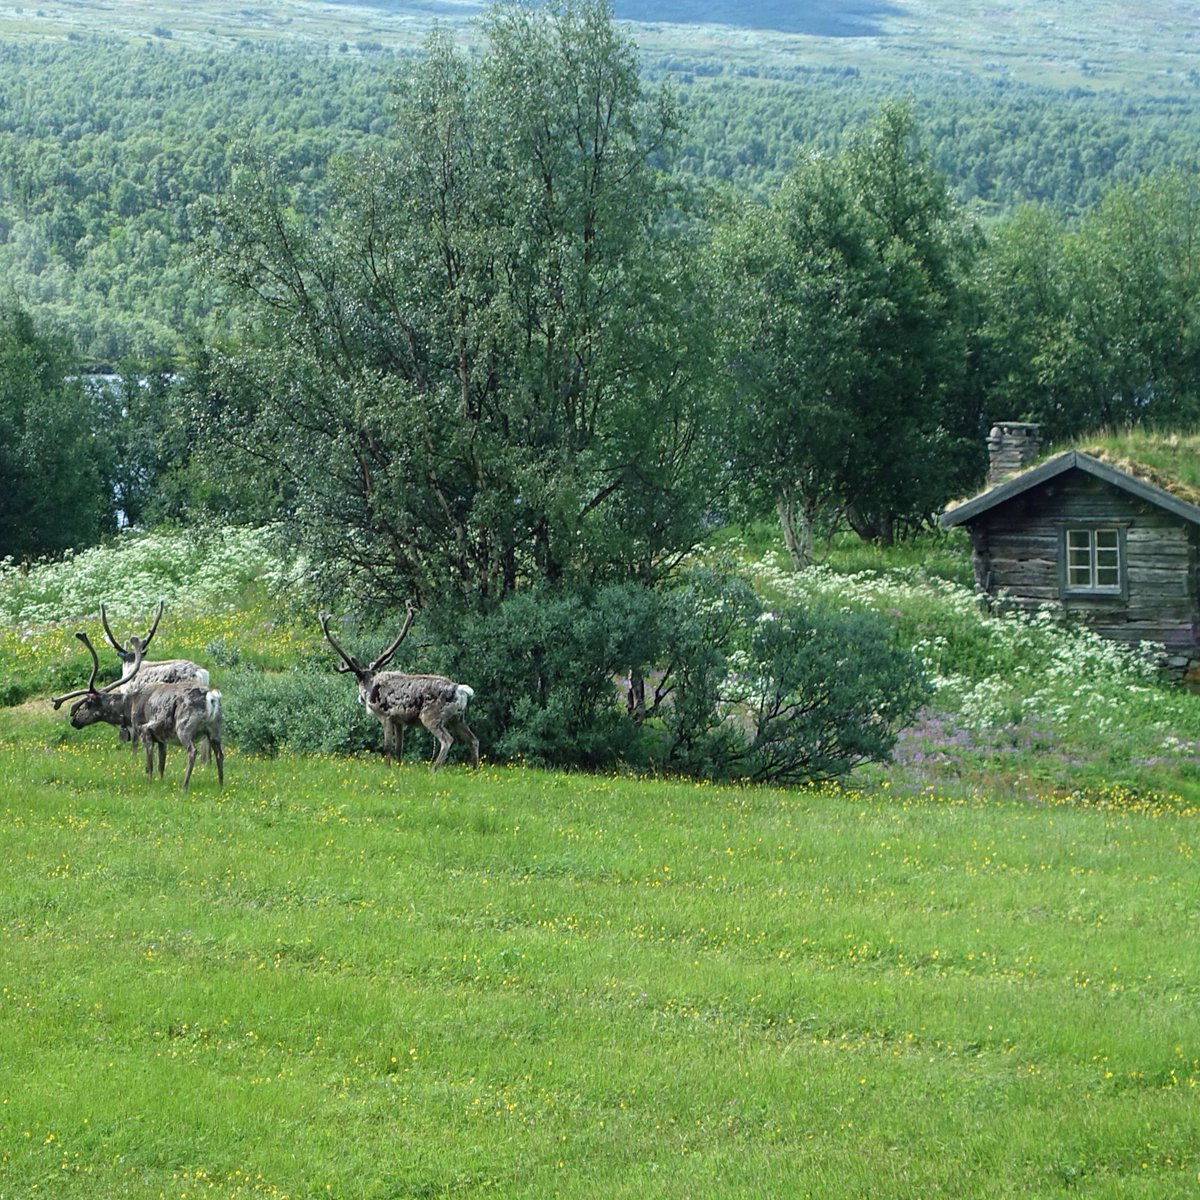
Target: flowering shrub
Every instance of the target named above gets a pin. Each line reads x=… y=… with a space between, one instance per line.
x=191 y=570
x=224 y=591
x=1010 y=687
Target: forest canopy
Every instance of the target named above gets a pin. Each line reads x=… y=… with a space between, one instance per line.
x=510 y=330
x=1060 y=247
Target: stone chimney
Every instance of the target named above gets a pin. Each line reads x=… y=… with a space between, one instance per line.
x=1012 y=446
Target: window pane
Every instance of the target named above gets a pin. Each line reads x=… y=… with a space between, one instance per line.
x=1108 y=559
x=1079 y=558
x=1094 y=559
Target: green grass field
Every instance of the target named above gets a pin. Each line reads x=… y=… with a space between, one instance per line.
x=335 y=979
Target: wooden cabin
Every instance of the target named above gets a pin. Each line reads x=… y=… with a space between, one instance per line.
x=1101 y=543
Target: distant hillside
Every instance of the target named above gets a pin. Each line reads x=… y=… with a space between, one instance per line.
x=1143 y=46
x=817 y=18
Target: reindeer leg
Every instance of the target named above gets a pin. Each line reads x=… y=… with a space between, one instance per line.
x=435 y=726
x=148 y=746
x=218 y=753
x=191 y=753
x=447 y=741
x=462 y=731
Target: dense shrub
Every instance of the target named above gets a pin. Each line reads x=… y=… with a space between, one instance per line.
x=703 y=622
x=308 y=711
x=695 y=680
x=823 y=693
x=547 y=666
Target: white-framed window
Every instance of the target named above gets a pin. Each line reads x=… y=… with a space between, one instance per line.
x=1094 y=560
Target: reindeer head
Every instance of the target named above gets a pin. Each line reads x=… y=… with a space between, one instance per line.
x=98 y=704
x=127 y=654
x=365 y=674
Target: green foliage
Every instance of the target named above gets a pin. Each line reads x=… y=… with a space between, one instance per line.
x=702 y=624
x=546 y=666
x=228 y=597
x=1096 y=325
x=310 y=711
x=717 y=689
x=826 y=692
x=999 y=142
x=54 y=492
x=1016 y=698
x=481 y=369
x=846 y=323
x=102 y=164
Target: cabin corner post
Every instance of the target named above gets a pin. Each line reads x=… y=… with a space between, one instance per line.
x=981 y=560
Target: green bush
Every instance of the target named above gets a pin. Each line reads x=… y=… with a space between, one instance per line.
x=695 y=680
x=825 y=692
x=547 y=666
x=308 y=711
x=703 y=622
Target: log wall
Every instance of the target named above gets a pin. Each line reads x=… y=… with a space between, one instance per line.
x=1018 y=549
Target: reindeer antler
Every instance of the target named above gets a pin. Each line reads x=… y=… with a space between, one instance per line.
x=128 y=655
x=410 y=611
x=350 y=662
x=91 y=689
x=58 y=701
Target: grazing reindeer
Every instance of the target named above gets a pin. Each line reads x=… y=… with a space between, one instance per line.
x=400 y=700
x=180 y=712
x=183 y=713
x=171 y=670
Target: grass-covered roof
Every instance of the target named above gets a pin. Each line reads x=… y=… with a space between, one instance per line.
x=1170 y=461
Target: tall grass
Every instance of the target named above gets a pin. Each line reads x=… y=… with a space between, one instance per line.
x=335 y=979
x=972 y=976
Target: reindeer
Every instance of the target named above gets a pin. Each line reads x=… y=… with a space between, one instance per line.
x=180 y=712
x=183 y=713
x=400 y=700
x=170 y=670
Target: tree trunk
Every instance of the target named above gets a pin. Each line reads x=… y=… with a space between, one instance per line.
x=875 y=527
x=796 y=523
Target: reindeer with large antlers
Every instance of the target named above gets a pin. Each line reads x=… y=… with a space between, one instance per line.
x=151 y=674
x=401 y=700
x=170 y=670
x=105 y=704
x=185 y=713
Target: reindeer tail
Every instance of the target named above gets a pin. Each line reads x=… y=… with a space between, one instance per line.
x=462 y=694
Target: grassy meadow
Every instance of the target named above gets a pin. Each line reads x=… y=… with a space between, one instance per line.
x=971 y=973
